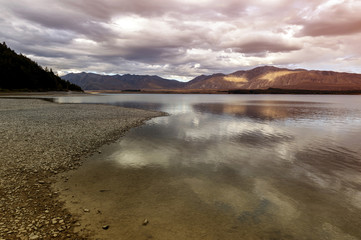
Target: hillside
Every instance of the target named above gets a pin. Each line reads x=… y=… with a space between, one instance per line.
x=261 y=78
x=22 y=74
x=280 y=78
x=91 y=81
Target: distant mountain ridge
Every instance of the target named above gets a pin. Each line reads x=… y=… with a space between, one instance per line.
x=281 y=78
x=258 y=78
x=92 y=81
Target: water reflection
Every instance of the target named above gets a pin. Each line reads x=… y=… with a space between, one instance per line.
x=141 y=105
x=266 y=169
x=271 y=110
x=258 y=138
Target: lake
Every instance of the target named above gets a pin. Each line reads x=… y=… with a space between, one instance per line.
x=229 y=167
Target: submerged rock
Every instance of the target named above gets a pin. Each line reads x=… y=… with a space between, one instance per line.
x=105 y=227
x=145 y=222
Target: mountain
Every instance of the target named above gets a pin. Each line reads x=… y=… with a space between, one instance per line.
x=20 y=73
x=91 y=81
x=280 y=78
x=266 y=77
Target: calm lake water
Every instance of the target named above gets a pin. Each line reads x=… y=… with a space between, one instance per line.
x=237 y=167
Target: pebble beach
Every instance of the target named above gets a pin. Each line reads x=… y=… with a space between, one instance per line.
x=39 y=140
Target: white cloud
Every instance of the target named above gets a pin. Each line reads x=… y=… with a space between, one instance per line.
x=182 y=39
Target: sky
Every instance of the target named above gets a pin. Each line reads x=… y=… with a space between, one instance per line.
x=181 y=39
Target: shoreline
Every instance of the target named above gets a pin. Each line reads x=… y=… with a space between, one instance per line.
x=40 y=140
x=229 y=91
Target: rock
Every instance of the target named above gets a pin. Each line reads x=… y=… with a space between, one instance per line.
x=105 y=227
x=33 y=236
x=41 y=182
x=145 y=222
x=103 y=190
x=86 y=210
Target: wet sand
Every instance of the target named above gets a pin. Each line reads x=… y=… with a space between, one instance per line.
x=40 y=140
x=198 y=203
x=102 y=194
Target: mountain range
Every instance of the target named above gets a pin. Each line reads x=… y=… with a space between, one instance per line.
x=266 y=77
x=91 y=81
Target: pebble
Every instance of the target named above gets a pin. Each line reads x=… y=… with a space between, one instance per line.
x=33 y=236
x=105 y=227
x=145 y=222
x=86 y=210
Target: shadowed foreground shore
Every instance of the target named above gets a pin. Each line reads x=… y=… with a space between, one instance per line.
x=41 y=139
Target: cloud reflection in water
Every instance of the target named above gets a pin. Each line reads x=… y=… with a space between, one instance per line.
x=266 y=163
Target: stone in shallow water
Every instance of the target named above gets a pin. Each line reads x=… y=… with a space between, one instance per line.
x=145 y=222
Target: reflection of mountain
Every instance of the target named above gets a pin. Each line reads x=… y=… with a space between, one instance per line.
x=264 y=110
x=140 y=105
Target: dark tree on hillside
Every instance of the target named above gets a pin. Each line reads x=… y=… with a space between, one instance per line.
x=18 y=72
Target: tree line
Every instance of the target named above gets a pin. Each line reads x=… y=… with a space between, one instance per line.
x=17 y=72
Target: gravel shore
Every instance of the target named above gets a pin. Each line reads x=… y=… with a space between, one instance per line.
x=40 y=139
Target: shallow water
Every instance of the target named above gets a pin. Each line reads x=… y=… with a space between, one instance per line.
x=232 y=167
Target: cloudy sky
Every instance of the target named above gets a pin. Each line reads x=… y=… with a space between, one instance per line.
x=181 y=39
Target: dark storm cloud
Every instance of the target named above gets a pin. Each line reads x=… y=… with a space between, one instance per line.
x=183 y=38
x=67 y=21
x=259 y=46
x=104 y=9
